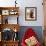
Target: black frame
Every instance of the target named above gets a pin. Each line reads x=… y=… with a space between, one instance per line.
x=35 y=13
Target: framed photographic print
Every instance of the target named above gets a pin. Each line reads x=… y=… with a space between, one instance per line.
x=5 y=12
x=13 y=12
x=30 y=13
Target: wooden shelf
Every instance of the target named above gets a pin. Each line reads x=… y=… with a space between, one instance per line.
x=9 y=10
x=4 y=12
x=11 y=26
x=9 y=43
x=2 y=8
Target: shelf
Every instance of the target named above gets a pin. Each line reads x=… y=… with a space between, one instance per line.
x=6 y=23
x=2 y=8
x=6 y=12
x=10 y=26
x=10 y=41
x=9 y=11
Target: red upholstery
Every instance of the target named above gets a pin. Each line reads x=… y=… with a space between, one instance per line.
x=29 y=33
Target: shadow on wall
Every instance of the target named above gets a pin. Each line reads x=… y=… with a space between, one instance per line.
x=37 y=29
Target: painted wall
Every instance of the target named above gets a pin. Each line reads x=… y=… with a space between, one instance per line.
x=30 y=3
x=26 y=3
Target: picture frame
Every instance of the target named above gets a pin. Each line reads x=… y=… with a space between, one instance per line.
x=30 y=13
x=5 y=12
x=13 y=12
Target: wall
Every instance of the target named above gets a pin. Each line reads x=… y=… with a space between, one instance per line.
x=30 y=3
x=26 y=3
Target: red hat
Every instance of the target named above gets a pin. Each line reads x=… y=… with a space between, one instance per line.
x=29 y=33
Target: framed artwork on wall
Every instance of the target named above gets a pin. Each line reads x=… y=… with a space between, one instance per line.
x=30 y=13
x=5 y=12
